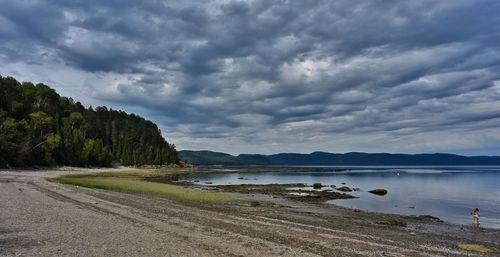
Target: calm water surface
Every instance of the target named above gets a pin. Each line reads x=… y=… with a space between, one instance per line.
x=450 y=193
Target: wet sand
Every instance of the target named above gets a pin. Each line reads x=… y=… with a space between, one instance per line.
x=42 y=218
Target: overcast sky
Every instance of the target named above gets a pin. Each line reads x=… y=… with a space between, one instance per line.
x=274 y=76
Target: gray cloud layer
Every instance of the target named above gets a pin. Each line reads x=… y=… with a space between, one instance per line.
x=270 y=76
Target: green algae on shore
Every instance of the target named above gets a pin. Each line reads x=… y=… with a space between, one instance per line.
x=133 y=181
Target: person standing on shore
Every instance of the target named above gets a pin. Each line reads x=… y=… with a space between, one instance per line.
x=476 y=216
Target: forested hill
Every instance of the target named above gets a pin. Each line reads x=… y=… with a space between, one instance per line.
x=39 y=127
x=332 y=159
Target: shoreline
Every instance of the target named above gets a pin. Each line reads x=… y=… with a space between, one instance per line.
x=328 y=202
x=243 y=187
x=173 y=173
x=261 y=225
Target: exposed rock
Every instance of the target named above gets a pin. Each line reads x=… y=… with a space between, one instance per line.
x=289 y=191
x=344 y=189
x=317 y=186
x=392 y=223
x=429 y=217
x=378 y=191
x=320 y=196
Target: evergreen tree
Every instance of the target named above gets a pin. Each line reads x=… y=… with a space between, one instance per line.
x=39 y=127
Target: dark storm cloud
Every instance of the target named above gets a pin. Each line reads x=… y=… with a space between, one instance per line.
x=334 y=74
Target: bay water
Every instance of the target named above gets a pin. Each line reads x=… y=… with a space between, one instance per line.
x=449 y=193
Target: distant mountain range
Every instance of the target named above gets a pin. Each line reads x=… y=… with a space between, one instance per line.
x=333 y=159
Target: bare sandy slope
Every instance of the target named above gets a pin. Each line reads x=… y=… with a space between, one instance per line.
x=41 y=218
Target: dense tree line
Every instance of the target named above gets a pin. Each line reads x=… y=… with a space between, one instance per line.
x=334 y=159
x=39 y=127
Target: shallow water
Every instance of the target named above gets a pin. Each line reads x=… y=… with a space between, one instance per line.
x=450 y=193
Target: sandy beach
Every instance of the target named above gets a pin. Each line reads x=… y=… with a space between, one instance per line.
x=43 y=218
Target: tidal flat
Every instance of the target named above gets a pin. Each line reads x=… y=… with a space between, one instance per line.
x=41 y=217
x=447 y=192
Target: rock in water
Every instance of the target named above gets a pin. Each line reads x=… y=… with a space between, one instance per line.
x=317 y=186
x=378 y=191
x=344 y=189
